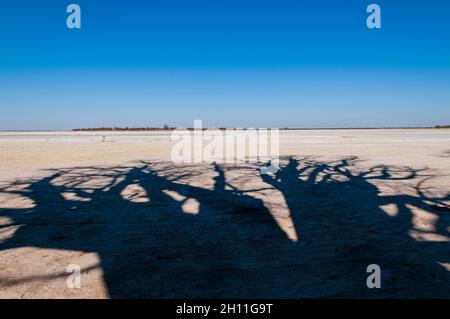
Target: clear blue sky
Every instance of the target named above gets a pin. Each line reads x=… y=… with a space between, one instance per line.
x=230 y=63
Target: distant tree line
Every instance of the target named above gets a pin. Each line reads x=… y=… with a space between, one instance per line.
x=167 y=128
x=90 y=129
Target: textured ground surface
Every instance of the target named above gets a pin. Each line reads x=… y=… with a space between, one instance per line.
x=141 y=226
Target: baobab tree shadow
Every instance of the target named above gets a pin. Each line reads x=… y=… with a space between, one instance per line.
x=174 y=239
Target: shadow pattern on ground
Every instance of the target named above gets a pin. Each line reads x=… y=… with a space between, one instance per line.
x=232 y=247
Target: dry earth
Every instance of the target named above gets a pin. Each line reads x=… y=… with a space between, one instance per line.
x=141 y=226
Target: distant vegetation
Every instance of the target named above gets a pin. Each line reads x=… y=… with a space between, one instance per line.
x=164 y=128
x=168 y=128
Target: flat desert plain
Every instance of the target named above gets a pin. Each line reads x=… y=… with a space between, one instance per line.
x=114 y=207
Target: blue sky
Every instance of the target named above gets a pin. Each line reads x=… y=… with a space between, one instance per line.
x=230 y=63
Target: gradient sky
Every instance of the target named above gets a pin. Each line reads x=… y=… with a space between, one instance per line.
x=230 y=63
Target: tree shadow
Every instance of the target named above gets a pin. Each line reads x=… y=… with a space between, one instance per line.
x=159 y=236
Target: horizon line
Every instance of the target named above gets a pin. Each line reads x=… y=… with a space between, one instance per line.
x=143 y=129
